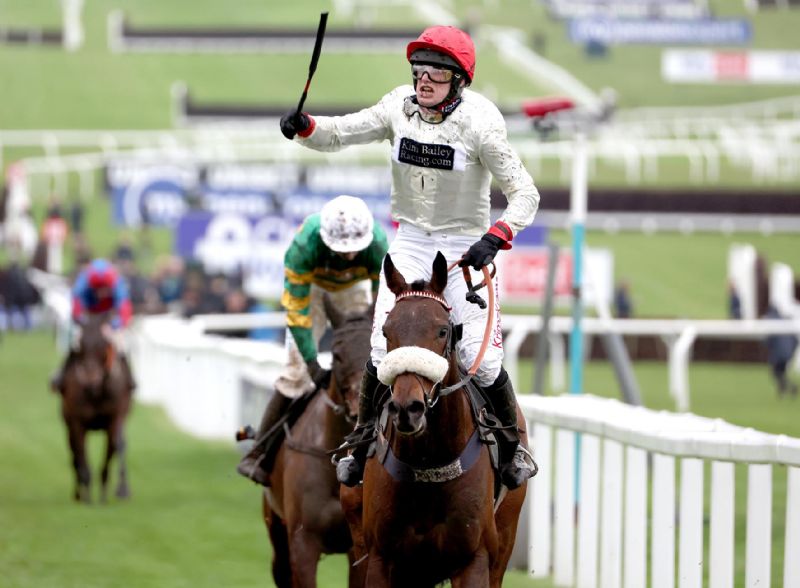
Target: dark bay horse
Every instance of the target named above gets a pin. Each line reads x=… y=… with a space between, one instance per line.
x=430 y=510
x=96 y=396
x=301 y=508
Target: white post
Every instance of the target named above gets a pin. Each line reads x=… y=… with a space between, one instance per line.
x=564 y=536
x=690 y=544
x=72 y=23
x=663 y=544
x=635 y=560
x=541 y=524
x=759 y=526
x=611 y=523
x=791 y=563
x=720 y=574
x=588 y=513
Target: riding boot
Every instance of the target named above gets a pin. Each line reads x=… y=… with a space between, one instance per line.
x=253 y=464
x=516 y=462
x=350 y=469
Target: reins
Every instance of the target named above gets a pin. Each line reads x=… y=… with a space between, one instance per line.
x=474 y=298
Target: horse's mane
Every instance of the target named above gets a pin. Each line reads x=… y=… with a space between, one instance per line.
x=419 y=285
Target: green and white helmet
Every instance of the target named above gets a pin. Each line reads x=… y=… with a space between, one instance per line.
x=346 y=224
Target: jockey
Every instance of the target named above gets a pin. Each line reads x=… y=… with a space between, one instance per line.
x=447 y=143
x=99 y=288
x=334 y=251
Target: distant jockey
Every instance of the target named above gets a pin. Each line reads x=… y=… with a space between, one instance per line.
x=98 y=289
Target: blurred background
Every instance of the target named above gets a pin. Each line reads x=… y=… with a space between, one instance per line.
x=147 y=132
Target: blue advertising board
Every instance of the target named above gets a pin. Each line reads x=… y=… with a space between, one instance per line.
x=660 y=31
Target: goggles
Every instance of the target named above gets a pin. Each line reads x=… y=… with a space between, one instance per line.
x=439 y=75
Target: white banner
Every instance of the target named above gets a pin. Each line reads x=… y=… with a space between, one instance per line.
x=749 y=67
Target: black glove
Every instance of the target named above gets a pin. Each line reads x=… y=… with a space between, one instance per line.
x=482 y=252
x=294 y=122
x=320 y=376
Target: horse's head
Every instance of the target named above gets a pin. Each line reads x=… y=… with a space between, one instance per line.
x=418 y=339
x=350 y=350
x=95 y=353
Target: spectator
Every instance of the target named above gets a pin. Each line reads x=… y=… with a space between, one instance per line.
x=734 y=302
x=780 y=350
x=238 y=302
x=623 y=306
x=17 y=295
x=169 y=280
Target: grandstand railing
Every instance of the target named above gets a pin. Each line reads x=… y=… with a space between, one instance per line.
x=769 y=154
x=587 y=520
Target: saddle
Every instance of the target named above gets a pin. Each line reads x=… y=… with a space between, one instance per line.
x=274 y=436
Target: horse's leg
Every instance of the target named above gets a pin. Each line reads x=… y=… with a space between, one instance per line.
x=123 y=490
x=351 y=500
x=476 y=574
x=357 y=576
x=378 y=571
x=281 y=568
x=83 y=477
x=111 y=448
x=304 y=554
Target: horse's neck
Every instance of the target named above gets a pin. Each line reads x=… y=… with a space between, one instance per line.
x=336 y=424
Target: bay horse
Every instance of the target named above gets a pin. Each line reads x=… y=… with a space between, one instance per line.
x=301 y=507
x=431 y=507
x=96 y=396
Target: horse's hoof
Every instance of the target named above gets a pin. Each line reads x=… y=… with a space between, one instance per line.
x=123 y=493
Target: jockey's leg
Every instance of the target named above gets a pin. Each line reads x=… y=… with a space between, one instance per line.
x=516 y=462
x=57 y=379
x=126 y=369
x=258 y=461
x=350 y=469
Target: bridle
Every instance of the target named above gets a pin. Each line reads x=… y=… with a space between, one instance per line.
x=436 y=392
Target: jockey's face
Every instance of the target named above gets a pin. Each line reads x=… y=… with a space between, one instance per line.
x=429 y=92
x=348 y=256
x=103 y=292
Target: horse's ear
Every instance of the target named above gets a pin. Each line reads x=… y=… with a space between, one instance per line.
x=439 y=275
x=395 y=281
x=333 y=314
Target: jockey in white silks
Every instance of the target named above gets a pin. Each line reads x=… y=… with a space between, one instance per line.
x=448 y=142
x=18 y=231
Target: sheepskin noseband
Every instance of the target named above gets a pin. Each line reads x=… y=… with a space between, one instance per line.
x=417 y=360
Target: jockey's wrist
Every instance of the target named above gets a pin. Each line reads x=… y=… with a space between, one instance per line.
x=502 y=234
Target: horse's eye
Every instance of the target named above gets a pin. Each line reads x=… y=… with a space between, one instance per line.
x=443 y=332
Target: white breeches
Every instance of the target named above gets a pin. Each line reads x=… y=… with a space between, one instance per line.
x=294 y=381
x=413 y=251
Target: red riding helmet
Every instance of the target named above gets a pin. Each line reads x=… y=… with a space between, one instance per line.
x=451 y=41
x=102 y=274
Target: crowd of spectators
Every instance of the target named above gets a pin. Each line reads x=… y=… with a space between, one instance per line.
x=173 y=286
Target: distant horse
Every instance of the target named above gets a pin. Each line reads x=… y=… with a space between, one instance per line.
x=96 y=397
x=431 y=509
x=301 y=508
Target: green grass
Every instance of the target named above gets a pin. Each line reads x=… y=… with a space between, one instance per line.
x=191 y=522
